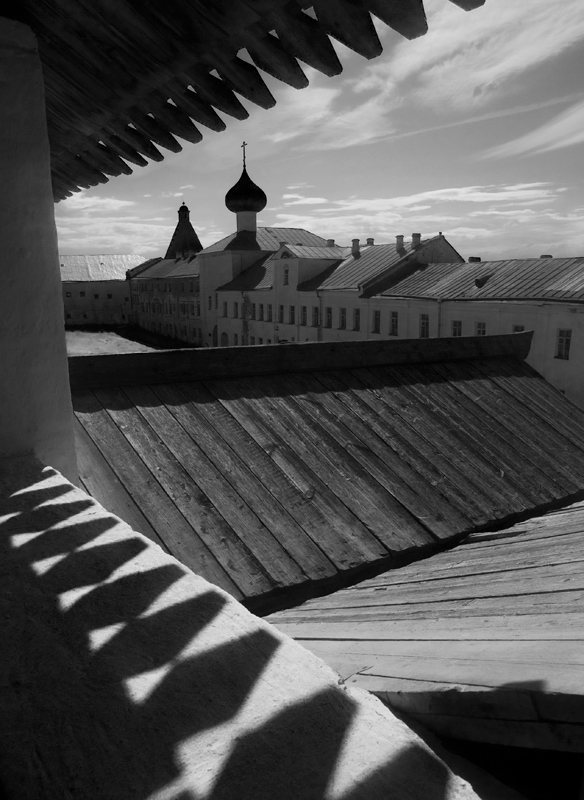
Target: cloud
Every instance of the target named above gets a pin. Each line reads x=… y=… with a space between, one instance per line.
x=565 y=130
x=187 y=186
x=81 y=202
x=462 y=61
x=299 y=200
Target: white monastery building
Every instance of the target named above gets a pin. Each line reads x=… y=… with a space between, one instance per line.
x=276 y=285
x=95 y=289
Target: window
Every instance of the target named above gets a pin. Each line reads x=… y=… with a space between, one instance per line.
x=518 y=328
x=126 y=299
x=424 y=326
x=269 y=314
x=236 y=310
x=292 y=315
x=393 y=323
x=280 y=313
x=315 y=316
x=109 y=297
x=260 y=340
x=261 y=310
x=252 y=340
x=182 y=287
x=96 y=297
x=224 y=309
x=342 y=318
x=67 y=294
x=564 y=339
x=286 y=276
x=303 y=314
x=268 y=341
x=481 y=328
x=216 y=301
x=328 y=317
x=198 y=309
x=253 y=310
x=376 y=321
x=457 y=327
x=210 y=305
x=81 y=294
x=68 y=316
x=191 y=287
x=356 y=319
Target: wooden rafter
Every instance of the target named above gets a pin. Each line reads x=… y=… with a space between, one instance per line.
x=123 y=79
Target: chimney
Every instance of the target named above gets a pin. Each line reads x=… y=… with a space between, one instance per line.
x=399 y=243
x=355 y=252
x=546 y=256
x=416 y=240
x=282 y=243
x=330 y=242
x=474 y=259
x=370 y=242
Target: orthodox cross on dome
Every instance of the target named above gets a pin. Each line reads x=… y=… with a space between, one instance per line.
x=244 y=145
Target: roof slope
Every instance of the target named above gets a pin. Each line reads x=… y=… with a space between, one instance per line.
x=484 y=641
x=106 y=267
x=292 y=481
x=267 y=239
x=545 y=278
x=187 y=267
x=353 y=272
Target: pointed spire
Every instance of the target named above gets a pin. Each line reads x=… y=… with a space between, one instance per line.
x=185 y=241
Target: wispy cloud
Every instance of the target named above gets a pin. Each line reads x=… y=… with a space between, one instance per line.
x=300 y=200
x=565 y=130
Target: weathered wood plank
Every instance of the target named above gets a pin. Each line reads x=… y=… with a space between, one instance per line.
x=383 y=464
x=182 y=540
x=537 y=603
x=207 y=444
x=492 y=663
x=538 y=395
x=548 y=627
x=302 y=502
x=388 y=520
x=274 y=439
x=503 y=502
x=101 y=482
x=492 y=437
x=558 y=578
x=210 y=527
x=210 y=484
x=171 y=366
x=412 y=448
x=515 y=416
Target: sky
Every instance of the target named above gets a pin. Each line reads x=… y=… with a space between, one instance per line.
x=475 y=130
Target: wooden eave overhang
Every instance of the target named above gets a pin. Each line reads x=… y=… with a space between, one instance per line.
x=124 y=79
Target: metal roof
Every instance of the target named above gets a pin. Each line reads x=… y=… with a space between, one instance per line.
x=259 y=276
x=107 y=267
x=329 y=252
x=266 y=239
x=520 y=279
x=187 y=267
x=373 y=259
x=170 y=65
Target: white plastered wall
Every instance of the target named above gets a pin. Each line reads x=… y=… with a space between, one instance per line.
x=35 y=402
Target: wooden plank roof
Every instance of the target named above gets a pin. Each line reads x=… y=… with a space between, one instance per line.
x=123 y=79
x=482 y=642
x=285 y=471
x=513 y=279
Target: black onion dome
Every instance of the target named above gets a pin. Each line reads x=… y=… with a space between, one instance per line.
x=245 y=196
